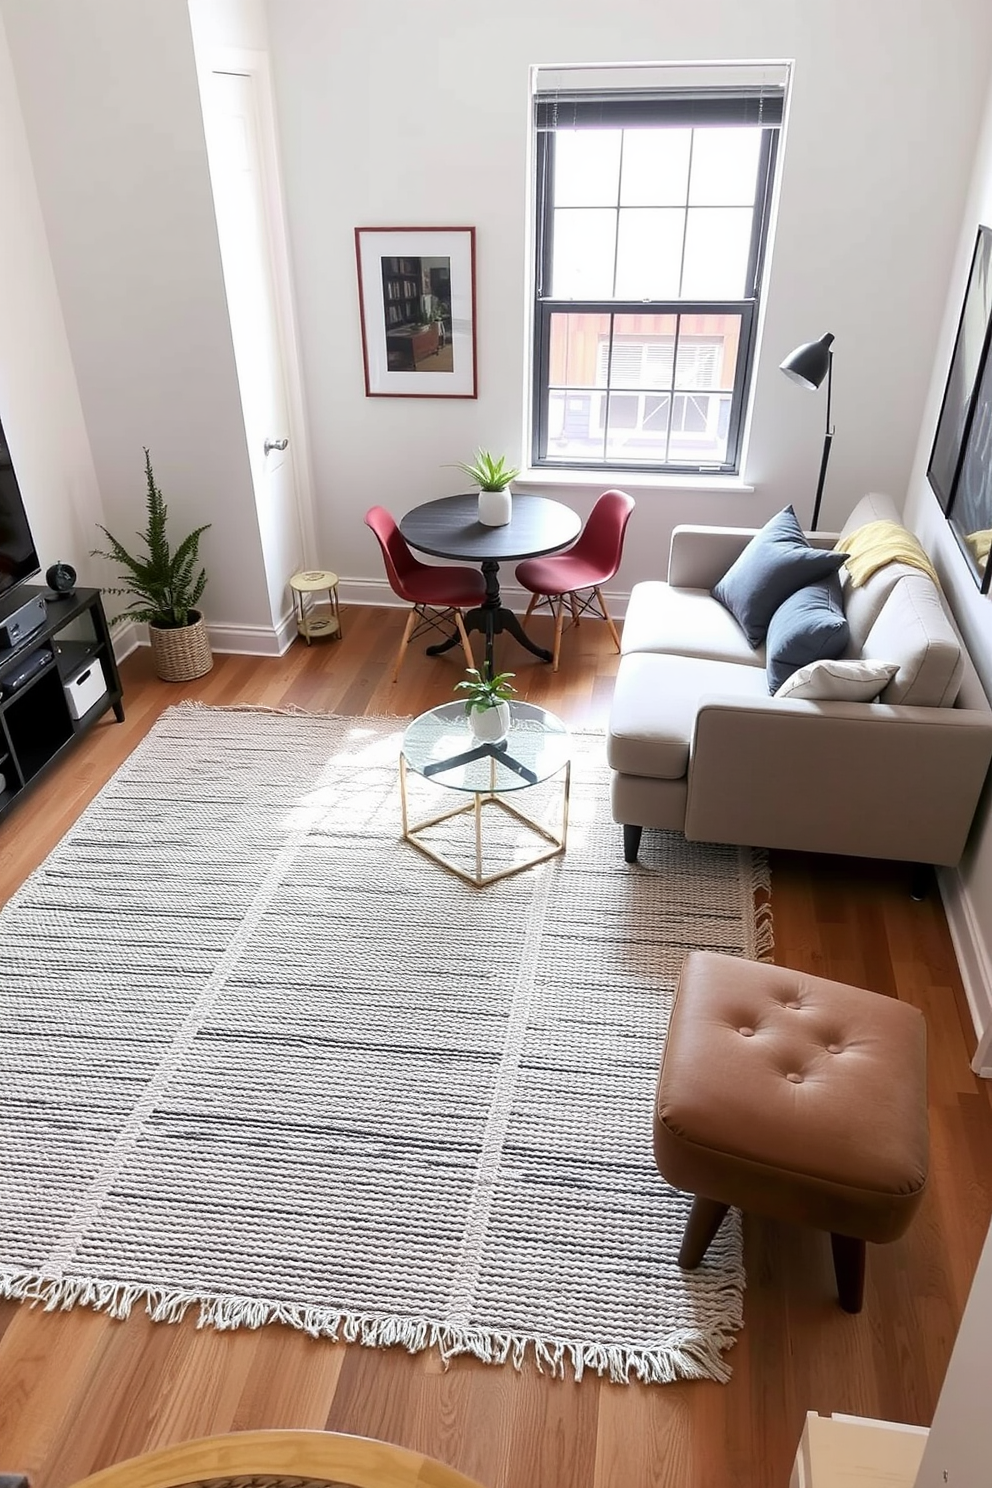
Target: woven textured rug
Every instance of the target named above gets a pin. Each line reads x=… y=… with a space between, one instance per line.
x=260 y=1057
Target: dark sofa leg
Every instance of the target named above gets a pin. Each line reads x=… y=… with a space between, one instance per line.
x=920 y=881
x=704 y=1221
x=631 y=843
x=849 y=1269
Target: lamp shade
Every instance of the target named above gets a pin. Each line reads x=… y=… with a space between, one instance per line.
x=808 y=364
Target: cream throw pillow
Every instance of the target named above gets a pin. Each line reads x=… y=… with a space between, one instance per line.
x=838 y=681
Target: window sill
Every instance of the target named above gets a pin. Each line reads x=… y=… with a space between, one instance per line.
x=641 y=480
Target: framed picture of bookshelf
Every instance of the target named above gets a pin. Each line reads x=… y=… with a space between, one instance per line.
x=416 y=299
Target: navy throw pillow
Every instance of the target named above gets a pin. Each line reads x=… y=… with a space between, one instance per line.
x=808 y=626
x=776 y=562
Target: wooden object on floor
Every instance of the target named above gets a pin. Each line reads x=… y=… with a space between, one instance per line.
x=310 y=621
x=855 y=1452
x=267 y=1459
x=80 y=1390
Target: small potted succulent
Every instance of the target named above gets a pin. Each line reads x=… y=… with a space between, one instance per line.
x=166 y=584
x=487 y=704
x=492 y=475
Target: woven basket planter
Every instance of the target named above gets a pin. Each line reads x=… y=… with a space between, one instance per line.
x=181 y=653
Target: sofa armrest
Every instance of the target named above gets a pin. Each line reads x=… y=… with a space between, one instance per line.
x=869 y=779
x=699 y=557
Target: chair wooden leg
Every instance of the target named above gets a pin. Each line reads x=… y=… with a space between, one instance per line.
x=534 y=601
x=573 y=600
x=849 y=1269
x=411 y=621
x=559 y=624
x=466 y=647
x=704 y=1221
x=606 y=616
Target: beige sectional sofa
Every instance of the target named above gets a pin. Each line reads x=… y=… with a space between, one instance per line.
x=698 y=745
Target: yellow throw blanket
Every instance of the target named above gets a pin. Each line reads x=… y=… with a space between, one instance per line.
x=870 y=547
x=980 y=543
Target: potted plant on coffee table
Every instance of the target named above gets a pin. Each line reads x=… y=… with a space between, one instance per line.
x=492 y=475
x=166 y=586
x=487 y=703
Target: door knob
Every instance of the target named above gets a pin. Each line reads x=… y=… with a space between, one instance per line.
x=275 y=444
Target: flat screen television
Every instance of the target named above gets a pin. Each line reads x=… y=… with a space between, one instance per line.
x=18 y=558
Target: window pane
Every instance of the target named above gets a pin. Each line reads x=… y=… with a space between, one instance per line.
x=655 y=169
x=575 y=422
x=700 y=422
x=717 y=245
x=707 y=355
x=580 y=347
x=643 y=350
x=649 y=253
x=587 y=167
x=584 y=247
x=724 y=167
x=643 y=438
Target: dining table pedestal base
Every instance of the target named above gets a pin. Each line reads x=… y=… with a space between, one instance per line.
x=491 y=618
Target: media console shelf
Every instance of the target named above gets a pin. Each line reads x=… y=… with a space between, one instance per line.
x=37 y=717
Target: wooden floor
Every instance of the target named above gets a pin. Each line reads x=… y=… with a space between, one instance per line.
x=79 y=1390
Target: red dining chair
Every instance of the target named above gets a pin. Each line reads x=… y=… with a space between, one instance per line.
x=570 y=581
x=435 y=592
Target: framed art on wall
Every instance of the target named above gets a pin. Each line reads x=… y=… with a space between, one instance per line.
x=416 y=295
x=963 y=374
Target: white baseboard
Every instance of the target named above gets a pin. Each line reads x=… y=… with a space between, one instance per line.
x=974 y=963
x=378 y=592
x=261 y=640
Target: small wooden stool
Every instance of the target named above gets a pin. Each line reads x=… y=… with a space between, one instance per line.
x=304 y=586
x=796 y=1097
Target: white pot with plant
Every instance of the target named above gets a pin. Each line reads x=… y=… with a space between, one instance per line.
x=493 y=476
x=166 y=588
x=487 y=704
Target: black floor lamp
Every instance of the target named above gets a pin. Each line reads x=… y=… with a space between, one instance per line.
x=808 y=365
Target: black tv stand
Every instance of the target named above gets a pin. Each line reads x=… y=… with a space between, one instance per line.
x=37 y=723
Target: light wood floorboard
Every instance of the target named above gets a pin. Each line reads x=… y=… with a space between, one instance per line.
x=79 y=1390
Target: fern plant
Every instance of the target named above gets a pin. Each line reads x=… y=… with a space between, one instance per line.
x=165 y=585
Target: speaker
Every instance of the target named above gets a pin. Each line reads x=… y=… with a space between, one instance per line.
x=23 y=621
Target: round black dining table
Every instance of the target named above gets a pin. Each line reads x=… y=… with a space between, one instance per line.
x=450 y=528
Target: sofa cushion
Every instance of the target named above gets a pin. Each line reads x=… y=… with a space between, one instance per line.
x=809 y=626
x=875 y=507
x=776 y=562
x=863 y=602
x=839 y=681
x=913 y=631
x=655 y=702
x=684 y=622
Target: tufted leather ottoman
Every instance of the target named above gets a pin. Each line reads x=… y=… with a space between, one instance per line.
x=796 y=1097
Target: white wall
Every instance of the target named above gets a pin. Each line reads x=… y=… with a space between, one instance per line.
x=109 y=96
x=968 y=892
x=394 y=114
x=39 y=400
x=959 y=1448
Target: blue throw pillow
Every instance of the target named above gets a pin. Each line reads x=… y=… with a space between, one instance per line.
x=809 y=626
x=776 y=562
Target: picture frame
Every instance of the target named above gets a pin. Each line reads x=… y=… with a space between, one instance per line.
x=960 y=466
x=416 y=299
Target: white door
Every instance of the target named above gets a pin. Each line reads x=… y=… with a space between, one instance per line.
x=242 y=201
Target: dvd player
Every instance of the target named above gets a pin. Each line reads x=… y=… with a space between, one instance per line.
x=27 y=667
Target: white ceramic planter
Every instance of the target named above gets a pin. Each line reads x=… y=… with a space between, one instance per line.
x=491 y=724
x=494 y=507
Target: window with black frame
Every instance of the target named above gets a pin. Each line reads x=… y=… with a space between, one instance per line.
x=652 y=208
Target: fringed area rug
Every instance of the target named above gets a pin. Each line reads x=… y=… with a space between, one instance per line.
x=260 y=1057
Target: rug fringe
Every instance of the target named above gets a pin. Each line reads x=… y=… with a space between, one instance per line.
x=761 y=895
x=686 y=1356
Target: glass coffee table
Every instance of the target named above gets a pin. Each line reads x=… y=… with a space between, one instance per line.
x=440 y=747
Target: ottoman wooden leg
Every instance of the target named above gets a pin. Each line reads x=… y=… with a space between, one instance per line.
x=704 y=1221
x=849 y=1269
